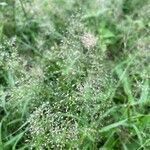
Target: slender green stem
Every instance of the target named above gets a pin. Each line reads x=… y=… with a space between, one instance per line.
x=23 y=9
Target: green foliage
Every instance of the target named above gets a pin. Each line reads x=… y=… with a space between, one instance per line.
x=74 y=74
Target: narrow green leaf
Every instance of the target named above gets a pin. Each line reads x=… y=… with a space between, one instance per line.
x=138 y=134
x=114 y=125
x=145 y=92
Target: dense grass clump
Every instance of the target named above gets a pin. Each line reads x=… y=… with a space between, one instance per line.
x=74 y=74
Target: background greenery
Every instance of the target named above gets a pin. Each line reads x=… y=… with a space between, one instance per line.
x=59 y=92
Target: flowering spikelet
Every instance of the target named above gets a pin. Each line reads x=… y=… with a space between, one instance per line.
x=88 y=40
x=50 y=129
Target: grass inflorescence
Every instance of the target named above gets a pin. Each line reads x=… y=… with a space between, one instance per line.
x=74 y=75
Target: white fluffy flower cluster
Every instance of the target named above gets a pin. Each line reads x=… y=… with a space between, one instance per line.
x=88 y=40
